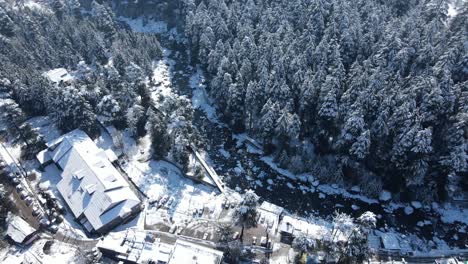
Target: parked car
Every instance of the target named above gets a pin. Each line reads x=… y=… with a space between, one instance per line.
x=35 y=211
x=173 y=229
x=23 y=194
x=59 y=219
x=200 y=211
x=53 y=228
x=16 y=180
x=170 y=201
x=235 y=236
x=163 y=200
x=19 y=188
x=28 y=200
x=254 y=240
x=263 y=241
x=2 y=165
x=60 y=208
x=205 y=236
x=44 y=221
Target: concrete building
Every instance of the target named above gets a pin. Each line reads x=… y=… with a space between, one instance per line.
x=190 y=253
x=94 y=190
x=135 y=246
x=143 y=246
x=269 y=216
x=290 y=227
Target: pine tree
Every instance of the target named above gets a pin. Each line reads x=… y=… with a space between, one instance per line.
x=70 y=110
x=7 y=27
x=246 y=212
x=360 y=148
x=235 y=107
x=160 y=140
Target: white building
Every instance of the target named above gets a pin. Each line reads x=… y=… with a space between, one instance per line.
x=94 y=190
x=191 y=253
x=135 y=246
x=269 y=216
x=58 y=75
x=290 y=227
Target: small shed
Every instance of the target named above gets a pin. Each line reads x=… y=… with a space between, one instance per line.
x=44 y=158
x=390 y=242
x=19 y=231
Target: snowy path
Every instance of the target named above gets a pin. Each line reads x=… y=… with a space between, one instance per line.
x=214 y=176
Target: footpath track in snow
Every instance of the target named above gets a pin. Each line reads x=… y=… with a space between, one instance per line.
x=214 y=176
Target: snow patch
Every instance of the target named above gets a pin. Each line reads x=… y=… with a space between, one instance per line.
x=385 y=196
x=409 y=210
x=200 y=99
x=416 y=204
x=450 y=214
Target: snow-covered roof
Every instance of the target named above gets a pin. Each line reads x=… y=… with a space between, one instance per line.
x=90 y=184
x=43 y=156
x=57 y=75
x=269 y=215
x=18 y=229
x=272 y=208
x=136 y=246
x=190 y=253
x=390 y=241
x=294 y=226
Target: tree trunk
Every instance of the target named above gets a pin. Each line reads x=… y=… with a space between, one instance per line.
x=241 y=237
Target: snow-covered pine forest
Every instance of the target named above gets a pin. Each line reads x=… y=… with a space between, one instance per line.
x=317 y=103
x=111 y=65
x=380 y=88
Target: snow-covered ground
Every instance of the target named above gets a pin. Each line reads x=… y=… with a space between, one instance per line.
x=450 y=214
x=45 y=127
x=158 y=179
x=199 y=98
x=59 y=253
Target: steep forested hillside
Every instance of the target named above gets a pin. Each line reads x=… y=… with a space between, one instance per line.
x=111 y=62
x=379 y=87
x=110 y=73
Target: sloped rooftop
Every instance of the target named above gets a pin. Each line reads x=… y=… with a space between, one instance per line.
x=18 y=229
x=90 y=184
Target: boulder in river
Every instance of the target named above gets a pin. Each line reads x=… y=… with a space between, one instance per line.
x=385 y=196
x=409 y=210
x=416 y=204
